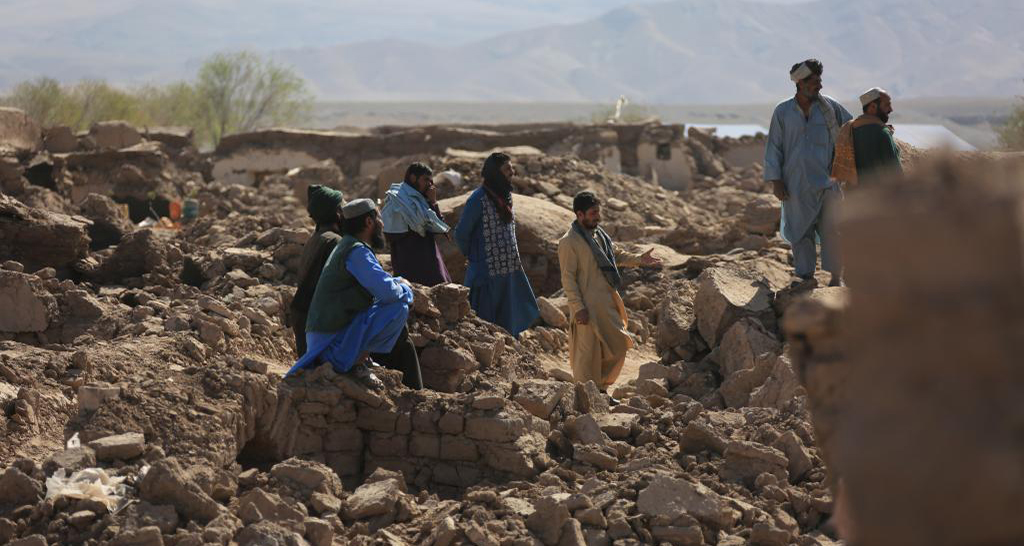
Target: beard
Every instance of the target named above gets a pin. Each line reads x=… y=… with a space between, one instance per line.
x=883 y=116
x=377 y=239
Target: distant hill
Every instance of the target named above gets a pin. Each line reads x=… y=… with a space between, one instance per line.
x=681 y=51
x=699 y=51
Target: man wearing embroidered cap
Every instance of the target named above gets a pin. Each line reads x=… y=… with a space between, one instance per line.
x=324 y=206
x=359 y=310
x=866 y=151
x=798 y=163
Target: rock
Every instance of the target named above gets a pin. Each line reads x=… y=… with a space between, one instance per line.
x=11 y=265
x=265 y=533
x=82 y=519
x=38 y=238
x=144 y=514
x=31 y=540
x=652 y=387
x=18 y=489
x=668 y=497
x=743 y=343
x=324 y=173
x=596 y=456
x=726 y=295
x=800 y=462
x=143 y=251
x=27 y=305
x=452 y=300
x=325 y=503
x=781 y=386
x=167 y=483
x=761 y=215
x=618 y=426
x=71 y=459
x=676 y=322
x=174 y=137
x=93 y=395
x=540 y=397
x=222 y=529
x=745 y=461
x=684 y=536
x=319 y=532
x=259 y=505
x=19 y=133
x=539 y=226
x=114 y=135
x=255 y=365
x=110 y=224
x=444 y=368
x=699 y=436
x=59 y=139
x=121 y=446
x=589 y=399
x=572 y=534
x=552 y=315
x=765 y=534
x=548 y=519
x=585 y=430
x=374 y=499
x=308 y=475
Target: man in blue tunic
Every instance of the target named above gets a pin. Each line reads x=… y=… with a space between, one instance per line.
x=798 y=163
x=358 y=312
x=499 y=291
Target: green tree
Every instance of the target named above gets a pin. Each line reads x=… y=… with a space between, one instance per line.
x=173 y=104
x=241 y=91
x=1011 y=135
x=43 y=99
x=96 y=100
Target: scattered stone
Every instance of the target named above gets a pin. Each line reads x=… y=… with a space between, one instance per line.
x=121 y=446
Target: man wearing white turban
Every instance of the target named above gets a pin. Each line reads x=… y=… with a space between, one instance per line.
x=865 y=150
x=798 y=163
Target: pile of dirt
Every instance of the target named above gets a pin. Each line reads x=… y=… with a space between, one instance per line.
x=152 y=359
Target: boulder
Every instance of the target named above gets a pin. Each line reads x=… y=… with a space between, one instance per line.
x=259 y=505
x=109 y=221
x=174 y=137
x=676 y=324
x=71 y=459
x=324 y=173
x=141 y=252
x=539 y=226
x=551 y=314
x=38 y=238
x=779 y=388
x=547 y=520
x=539 y=396
x=745 y=461
x=18 y=132
x=443 y=368
x=114 y=135
x=667 y=497
x=374 y=499
x=120 y=446
x=27 y=306
x=725 y=295
x=18 y=489
x=308 y=475
x=761 y=215
x=800 y=462
x=167 y=483
x=60 y=139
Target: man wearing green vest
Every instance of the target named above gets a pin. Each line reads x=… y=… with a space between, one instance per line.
x=866 y=152
x=359 y=311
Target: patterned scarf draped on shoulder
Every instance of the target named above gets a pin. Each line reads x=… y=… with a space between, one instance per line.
x=601 y=245
x=498 y=188
x=844 y=166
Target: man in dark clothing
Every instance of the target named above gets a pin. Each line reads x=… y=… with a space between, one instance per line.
x=866 y=151
x=324 y=208
x=359 y=311
x=412 y=221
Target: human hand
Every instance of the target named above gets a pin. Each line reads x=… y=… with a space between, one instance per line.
x=647 y=260
x=583 y=317
x=779 y=189
x=431 y=193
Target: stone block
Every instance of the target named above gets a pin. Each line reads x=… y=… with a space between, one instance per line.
x=25 y=305
x=540 y=397
x=458 y=448
x=668 y=497
x=724 y=296
x=343 y=438
x=121 y=446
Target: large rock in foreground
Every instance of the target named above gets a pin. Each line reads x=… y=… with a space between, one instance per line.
x=39 y=238
x=18 y=132
x=539 y=226
x=726 y=295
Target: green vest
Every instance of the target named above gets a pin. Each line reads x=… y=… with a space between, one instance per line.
x=338 y=297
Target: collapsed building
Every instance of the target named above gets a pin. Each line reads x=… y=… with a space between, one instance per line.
x=141 y=374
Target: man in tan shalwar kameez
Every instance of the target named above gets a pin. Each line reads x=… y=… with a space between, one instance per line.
x=598 y=339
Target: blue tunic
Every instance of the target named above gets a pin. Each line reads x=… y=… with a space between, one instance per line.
x=499 y=291
x=375 y=330
x=799 y=152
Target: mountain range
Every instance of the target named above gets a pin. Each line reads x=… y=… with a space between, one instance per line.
x=673 y=52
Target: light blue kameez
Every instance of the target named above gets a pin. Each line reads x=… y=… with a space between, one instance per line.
x=799 y=152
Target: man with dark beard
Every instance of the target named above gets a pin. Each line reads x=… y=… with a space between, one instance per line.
x=412 y=222
x=865 y=150
x=499 y=291
x=359 y=311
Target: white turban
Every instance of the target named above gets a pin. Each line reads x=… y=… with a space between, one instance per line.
x=871 y=95
x=801 y=72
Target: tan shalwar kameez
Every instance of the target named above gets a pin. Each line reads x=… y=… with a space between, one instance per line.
x=597 y=350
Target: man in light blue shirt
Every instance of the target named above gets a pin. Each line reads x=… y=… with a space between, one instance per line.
x=798 y=163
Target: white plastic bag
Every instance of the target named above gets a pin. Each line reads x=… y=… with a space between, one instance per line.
x=89 y=483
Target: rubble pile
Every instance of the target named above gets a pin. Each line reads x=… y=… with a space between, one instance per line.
x=144 y=365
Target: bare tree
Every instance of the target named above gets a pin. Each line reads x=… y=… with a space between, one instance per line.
x=242 y=91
